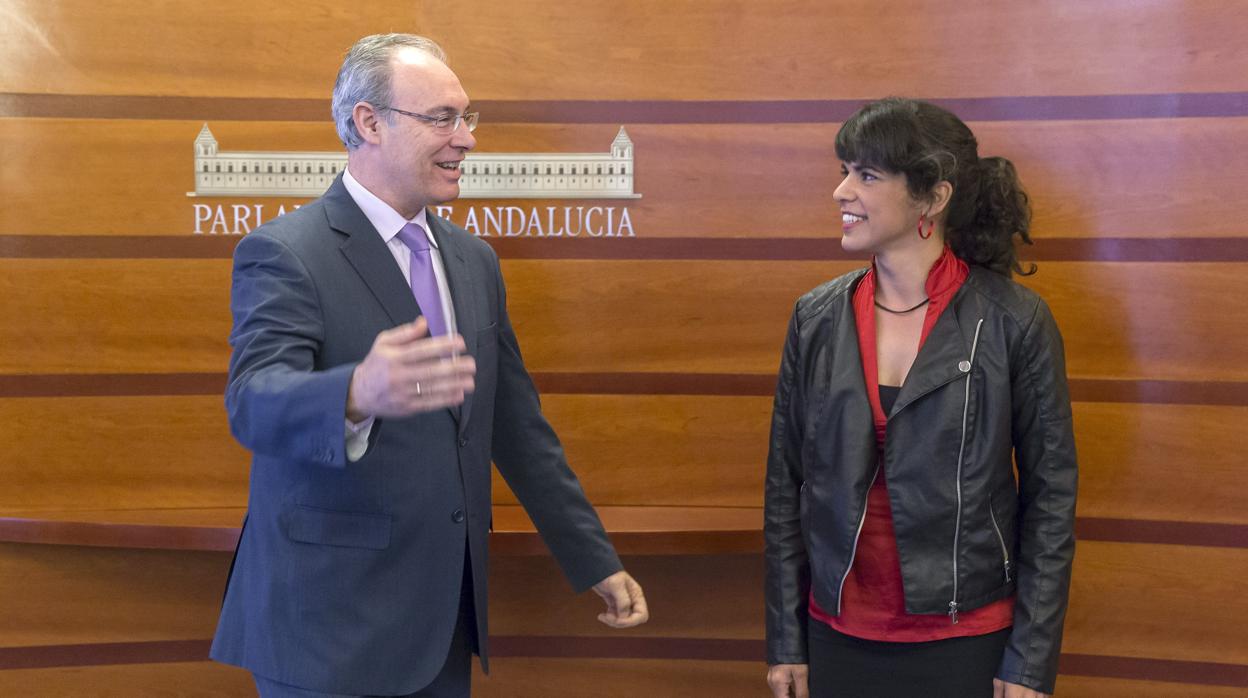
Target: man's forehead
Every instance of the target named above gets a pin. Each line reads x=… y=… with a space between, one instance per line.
x=421 y=75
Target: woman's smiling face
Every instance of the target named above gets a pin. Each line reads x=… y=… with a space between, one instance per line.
x=877 y=210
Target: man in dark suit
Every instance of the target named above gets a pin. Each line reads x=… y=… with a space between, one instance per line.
x=375 y=374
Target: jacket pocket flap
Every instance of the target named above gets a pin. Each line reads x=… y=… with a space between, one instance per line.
x=342 y=528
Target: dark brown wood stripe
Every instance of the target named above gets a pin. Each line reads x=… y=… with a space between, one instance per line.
x=1057 y=249
x=104 y=653
x=118 y=535
x=1006 y=108
x=1147 y=669
x=1228 y=393
x=30 y=530
x=579 y=647
x=1191 y=533
x=111 y=384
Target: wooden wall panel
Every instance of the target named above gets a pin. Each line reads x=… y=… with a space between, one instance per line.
x=234 y=48
x=513 y=677
x=1166 y=462
x=52 y=595
x=687 y=596
x=1096 y=687
x=65 y=316
x=1158 y=601
x=662 y=450
x=1087 y=178
x=182 y=679
x=1125 y=320
x=120 y=453
x=796 y=49
x=1119 y=321
x=655 y=450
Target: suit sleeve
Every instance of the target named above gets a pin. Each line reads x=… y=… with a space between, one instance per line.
x=787 y=563
x=530 y=458
x=1044 y=449
x=278 y=404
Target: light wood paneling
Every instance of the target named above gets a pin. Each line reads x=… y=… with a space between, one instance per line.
x=124 y=316
x=1155 y=321
x=183 y=680
x=662 y=450
x=1148 y=320
x=119 y=453
x=687 y=597
x=1165 y=462
x=55 y=595
x=641 y=50
x=517 y=677
x=1086 y=179
x=1094 y=687
x=1158 y=601
x=676 y=450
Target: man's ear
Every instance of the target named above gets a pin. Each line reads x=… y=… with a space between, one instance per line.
x=367 y=122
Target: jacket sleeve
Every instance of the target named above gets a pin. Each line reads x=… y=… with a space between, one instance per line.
x=530 y=458
x=1044 y=451
x=788 y=568
x=278 y=405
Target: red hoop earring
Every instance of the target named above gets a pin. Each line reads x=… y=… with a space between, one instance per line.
x=931 y=227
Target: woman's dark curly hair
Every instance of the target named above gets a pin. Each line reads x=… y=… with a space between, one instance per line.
x=928 y=145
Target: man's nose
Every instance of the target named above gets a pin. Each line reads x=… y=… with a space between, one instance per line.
x=463 y=138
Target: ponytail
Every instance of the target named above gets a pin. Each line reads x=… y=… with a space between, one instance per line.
x=983 y=222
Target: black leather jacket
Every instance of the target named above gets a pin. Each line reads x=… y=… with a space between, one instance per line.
x=987 y=390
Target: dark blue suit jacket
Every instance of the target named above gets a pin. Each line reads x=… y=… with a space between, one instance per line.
x=347 y=575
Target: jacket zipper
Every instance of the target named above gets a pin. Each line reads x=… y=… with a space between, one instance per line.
x=853 y=552
x=957 y=524
x=1005 y=553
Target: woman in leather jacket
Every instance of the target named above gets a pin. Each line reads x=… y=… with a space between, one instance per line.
x=920 y=493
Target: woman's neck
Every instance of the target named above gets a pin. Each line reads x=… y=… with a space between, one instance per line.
x=901 y=275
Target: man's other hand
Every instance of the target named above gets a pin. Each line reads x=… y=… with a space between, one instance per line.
x=626 y=604
x=407 y=371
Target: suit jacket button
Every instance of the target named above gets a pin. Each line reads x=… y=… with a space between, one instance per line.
x=463 y=441
x=457 y=516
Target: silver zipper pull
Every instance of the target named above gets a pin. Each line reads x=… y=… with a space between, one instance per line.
x=953 y=612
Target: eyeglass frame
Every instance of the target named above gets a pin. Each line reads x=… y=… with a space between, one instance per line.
x=469 y=118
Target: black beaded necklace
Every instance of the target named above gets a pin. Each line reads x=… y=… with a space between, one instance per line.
x=902 y=312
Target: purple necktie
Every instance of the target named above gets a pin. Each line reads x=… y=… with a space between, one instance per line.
x=424 y=283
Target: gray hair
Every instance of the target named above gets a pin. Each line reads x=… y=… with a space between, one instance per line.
x=365 y=77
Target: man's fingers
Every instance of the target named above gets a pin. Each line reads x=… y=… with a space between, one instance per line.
x=626 y=603
x=423 y=349
x=405 y=333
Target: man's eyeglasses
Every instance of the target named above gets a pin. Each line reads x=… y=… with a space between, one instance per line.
x=446 y=123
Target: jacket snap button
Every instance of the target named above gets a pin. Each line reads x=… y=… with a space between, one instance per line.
x=457 y=516
x=964 y=366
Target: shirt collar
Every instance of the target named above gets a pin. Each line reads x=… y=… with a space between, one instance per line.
x=385 y=219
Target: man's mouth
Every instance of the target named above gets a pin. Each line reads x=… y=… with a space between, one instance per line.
x=849 y=218
x=450 y=165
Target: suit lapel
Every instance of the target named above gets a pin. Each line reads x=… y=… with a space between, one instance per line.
x=463 y=286
x=369 y=256
x=940 y=358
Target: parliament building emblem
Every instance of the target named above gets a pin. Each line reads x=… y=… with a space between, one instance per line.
x=605 y=175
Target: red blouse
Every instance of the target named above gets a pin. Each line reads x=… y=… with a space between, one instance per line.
x=872 y=600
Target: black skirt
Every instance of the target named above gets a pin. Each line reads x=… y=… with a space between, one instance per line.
x=849 y=667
